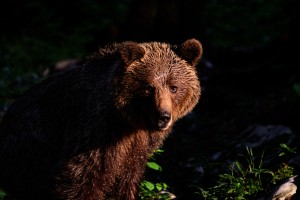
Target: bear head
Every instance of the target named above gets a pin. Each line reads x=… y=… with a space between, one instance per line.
x=158 y=83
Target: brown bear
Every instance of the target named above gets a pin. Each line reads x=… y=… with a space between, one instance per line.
x=86 y=133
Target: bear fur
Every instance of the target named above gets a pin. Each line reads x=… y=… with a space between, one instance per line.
x=86 y=133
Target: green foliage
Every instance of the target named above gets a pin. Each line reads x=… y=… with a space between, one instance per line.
x=52 y=34
x=232 y=23
x=286 y=149
x=296 y=88
x=150 y=190
x=13 y=82
x=44 y=33
x=23 y=59
x=2 y=194
x=284 y=171
x=248 y=180
x=36 y=52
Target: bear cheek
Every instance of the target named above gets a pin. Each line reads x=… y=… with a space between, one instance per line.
x=186 y=102
x=178 y=101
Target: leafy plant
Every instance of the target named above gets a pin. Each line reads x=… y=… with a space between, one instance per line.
x=150 y=190
x=246 y=181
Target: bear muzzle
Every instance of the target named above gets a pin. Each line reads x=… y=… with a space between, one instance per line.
x=164 y=120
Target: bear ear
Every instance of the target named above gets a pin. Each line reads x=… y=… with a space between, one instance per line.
x=130 y=51
x=191 y=51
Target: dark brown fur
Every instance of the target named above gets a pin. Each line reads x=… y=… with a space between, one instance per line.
x=86 y=133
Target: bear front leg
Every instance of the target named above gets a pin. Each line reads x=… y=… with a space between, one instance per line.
x=79 y=178
x=128 y=187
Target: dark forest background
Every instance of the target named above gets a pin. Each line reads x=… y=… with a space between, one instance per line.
x=249 y=72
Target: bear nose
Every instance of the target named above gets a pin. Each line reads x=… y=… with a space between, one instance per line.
x=163 y=120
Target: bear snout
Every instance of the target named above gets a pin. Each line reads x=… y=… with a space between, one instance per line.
x=164 y=120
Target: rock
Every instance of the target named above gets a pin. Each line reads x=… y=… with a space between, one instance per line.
x=258 y=136
x=285 y=191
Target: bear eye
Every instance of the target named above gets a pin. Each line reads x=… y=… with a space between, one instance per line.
x=148 y=90
x=173 y=89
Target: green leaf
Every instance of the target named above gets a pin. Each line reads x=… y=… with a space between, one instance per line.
x=239 y=167
x=238 y=185
x=158 y=186
x=230 y=191
x=165 y=186
x=150 y=186
x=154 y=166
x=204 y=193
x=159 y=151
x=281 y=154
x=284 y=146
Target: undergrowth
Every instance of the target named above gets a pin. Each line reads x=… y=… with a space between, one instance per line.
x=150 y=190
x=249 y=180
x=243 y=181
